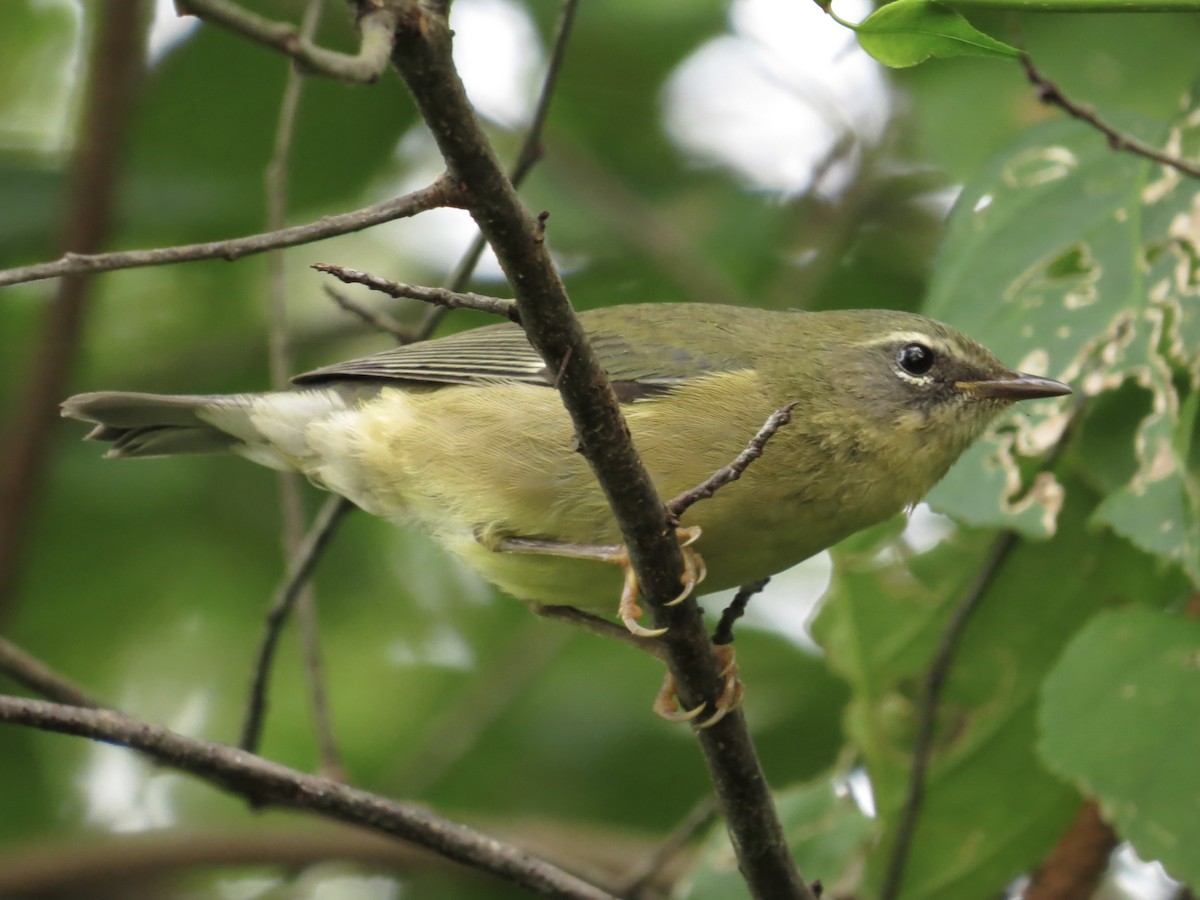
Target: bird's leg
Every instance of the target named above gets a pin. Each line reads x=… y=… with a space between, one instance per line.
x=627 y=609
x=667 y=702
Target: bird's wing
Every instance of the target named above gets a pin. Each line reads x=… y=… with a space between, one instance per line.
x=502 y=353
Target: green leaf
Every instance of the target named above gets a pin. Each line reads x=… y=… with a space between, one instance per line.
x=1120 y=717
x=908 y=32
x=880 y=625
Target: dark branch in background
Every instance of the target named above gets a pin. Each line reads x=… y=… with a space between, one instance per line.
x=28 y=670
x=1050 y=94
x=439 y=194
x=121 y=866
x=376 y=26
x=265 y=782
x=732 y=472
x=646 y=874
x=280 y=355
x=423 y=58
x=372 y=318
x=1076 y=866
x=935 y=678
x=114 y=69
x=298 y=574
x=437 y=296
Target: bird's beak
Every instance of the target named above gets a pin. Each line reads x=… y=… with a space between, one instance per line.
x=1014 y=386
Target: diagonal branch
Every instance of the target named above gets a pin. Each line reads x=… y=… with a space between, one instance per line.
x=28 y=670
x=279 y=352
x=935 y=679
x=732 y=472
x=437 y=296
x=423 y=57
x=267 y=782
x=303 y=562
x=443 y=192
x=1051 y=94
x=375 y=26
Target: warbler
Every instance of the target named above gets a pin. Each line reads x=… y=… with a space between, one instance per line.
x=466 y=436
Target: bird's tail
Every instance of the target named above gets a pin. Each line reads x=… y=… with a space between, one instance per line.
x=270 y=429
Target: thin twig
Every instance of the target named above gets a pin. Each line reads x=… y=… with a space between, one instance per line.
x=266 y=782
x=26 y=669
x=437 y=296
x=280 y=355
x=423 y=57
x=301 y=568
x=114 y=68
x=1051 y=94
x=376 y=28
x=645 y=874
x=935 y=678
x=443 y=192
x=723 y=634
x=378 y=320
x=734 y=470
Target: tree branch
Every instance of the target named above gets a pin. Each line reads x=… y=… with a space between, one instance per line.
x=114 y=68
x=935 y=678
x=437 y=296
x=733 y=471
x=442 y=192
x=279 y=352
x=646 y=872
x=1051 y=94
x=423 y=58
x=134 y=863
x=372 y=318
x=28 y=670
x=376 y=26
x=301 y=568
x=267 y=782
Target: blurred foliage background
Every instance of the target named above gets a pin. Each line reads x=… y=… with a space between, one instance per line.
x=743 y=152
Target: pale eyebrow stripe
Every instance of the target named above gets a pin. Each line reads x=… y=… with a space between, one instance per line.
x=897 y=337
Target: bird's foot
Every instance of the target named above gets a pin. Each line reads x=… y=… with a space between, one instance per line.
x=628 y=609
x=666 y=704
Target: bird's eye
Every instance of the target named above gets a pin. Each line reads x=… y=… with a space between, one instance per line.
x=915 y=359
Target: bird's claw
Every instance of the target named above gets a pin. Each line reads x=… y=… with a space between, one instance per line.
x=694 y=569
x=666 y=704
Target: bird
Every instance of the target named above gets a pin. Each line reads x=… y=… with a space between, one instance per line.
x=466 y=437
